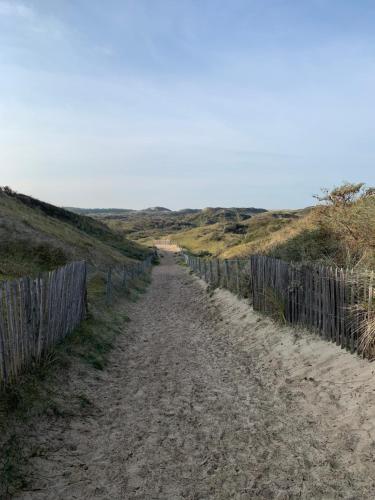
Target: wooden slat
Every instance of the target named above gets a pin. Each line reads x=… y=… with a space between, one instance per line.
x=331 y=302
x=35 y=314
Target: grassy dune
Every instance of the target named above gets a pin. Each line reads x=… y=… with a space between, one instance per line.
x=258 y=234
x=338 y=231
x=36 y=236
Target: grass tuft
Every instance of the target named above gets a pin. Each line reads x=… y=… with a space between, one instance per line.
x=11 y=475
x=275 y=306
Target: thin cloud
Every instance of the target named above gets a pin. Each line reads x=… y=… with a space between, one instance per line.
x=15 y=9
x=244 y=97
x=104 y=50
x=31 y=20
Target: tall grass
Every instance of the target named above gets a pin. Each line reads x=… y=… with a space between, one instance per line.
x=367 y=335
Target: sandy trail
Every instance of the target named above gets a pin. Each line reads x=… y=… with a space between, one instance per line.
x=204 y=399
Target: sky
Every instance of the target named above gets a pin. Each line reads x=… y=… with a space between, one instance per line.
x=186 y=103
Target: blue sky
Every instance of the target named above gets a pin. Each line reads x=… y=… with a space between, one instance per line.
x=186 y=102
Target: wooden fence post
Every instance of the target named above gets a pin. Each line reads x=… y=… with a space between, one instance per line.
x=211 y=273
x=238 y=276
x=226 y=274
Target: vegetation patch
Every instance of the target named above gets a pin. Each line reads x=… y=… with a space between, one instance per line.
x=36 y=237
x=23 y=258
x=339 y=230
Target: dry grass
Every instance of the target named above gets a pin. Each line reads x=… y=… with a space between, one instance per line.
x=340 y=234
x=340 y=231
x=32 y=241
x=260 y=231
x=367 y=335
x=206 y=240
x=266 y=235
x=275 y=306
x=353 y=225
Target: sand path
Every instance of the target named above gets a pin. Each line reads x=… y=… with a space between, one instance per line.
x=204 y=399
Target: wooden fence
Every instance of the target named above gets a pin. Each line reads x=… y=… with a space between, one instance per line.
x=119 y=279
x=335 y=303
x=37 y=313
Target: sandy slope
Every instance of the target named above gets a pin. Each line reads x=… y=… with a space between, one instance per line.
x=204 y=399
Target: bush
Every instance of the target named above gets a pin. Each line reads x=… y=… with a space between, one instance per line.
x=348 y=216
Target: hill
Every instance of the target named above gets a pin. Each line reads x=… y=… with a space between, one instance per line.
x=233 y=238
x=157 y=209
x=338 y=231
x=145 y=226
x=98 y=212
x=109 y=212
x=36 y=236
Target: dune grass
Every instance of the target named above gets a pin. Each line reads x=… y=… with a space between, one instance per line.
x=34 y=238
x=260 y=232
x=339 y=231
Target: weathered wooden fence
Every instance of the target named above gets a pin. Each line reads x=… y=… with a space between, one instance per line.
x=333 y=302
x=37 y=313
x=119 y=279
